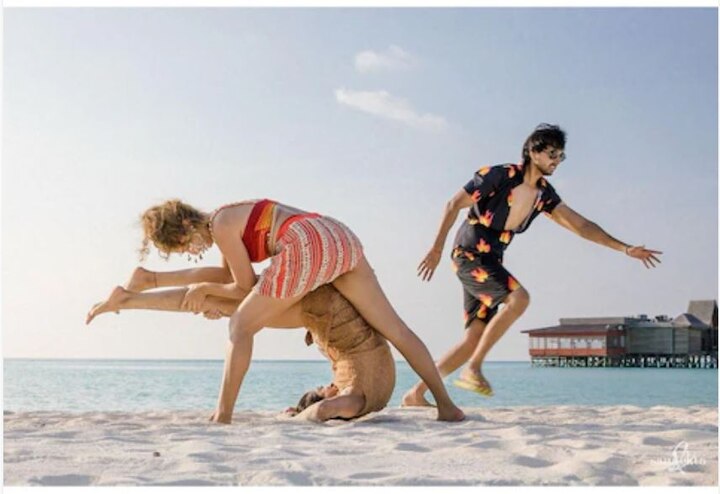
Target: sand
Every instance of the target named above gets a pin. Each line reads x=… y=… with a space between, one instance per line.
x=563 y=445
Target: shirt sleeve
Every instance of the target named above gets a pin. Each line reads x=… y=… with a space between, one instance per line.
x=551 y=199
x=485 y=181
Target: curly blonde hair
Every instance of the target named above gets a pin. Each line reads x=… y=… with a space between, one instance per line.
x=168 y=225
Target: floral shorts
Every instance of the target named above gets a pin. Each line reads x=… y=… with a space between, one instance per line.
x=485 y=283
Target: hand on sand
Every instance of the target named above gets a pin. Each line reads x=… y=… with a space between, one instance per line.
x=220 y=418
x=647 y=256
x=112 y=304
x=428 y=264
x=450 y=414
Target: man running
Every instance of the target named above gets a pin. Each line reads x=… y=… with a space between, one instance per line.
x=503 y=200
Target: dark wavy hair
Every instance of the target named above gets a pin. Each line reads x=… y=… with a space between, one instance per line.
x=543 y=136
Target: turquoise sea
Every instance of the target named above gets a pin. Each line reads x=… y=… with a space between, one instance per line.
x=147 y=385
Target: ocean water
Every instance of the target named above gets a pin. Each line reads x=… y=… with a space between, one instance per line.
x=154 y=385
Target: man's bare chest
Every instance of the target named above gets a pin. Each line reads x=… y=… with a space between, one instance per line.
x=521 y=201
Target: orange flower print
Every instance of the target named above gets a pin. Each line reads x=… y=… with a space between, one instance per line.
x=512 y=284
x=485 y=299
x=472 y=221
x=509 y=199
x=479 y=274
x=486 y=219
x=456 y=252
x=483 y=247
x=484 y=171
x=481 y=313
x=505 y=237
x=476 y=196
x=469 y=256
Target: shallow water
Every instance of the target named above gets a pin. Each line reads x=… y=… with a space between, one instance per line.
x=136 y=385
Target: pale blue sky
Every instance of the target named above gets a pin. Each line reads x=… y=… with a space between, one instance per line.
x=375 y=117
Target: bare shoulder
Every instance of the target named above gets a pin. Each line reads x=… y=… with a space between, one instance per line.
x=230 y=218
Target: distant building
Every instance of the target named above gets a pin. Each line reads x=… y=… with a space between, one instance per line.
x=707 y=312
x=689 y=340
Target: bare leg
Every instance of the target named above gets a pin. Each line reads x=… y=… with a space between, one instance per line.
x=171 y=300
x=451 y=361
x=515 y=305
x=254 y=313
x=361 y=288
x=143 y=279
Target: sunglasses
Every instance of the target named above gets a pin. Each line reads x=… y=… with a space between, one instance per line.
x=555 y=154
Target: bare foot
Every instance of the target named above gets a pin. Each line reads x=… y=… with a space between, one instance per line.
x=450 y=414
x=220 y=418
x=112 y=304
x=414 y=399
x=141 y=280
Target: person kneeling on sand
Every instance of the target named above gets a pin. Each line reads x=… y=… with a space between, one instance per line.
x=363 y=366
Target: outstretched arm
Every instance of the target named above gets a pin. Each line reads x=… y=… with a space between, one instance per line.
x=238 y=261
x=578 y=224
x=459 y=201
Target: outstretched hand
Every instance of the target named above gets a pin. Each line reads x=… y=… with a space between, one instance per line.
x=647 y=256
x=427 y=266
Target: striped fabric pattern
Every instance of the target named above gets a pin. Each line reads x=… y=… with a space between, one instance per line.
x=258 y=228
x=312 y=251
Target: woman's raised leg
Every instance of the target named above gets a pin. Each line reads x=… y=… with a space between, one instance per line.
x=361 y=288
x=171 y=300
x=143 y=279
x=165 y=300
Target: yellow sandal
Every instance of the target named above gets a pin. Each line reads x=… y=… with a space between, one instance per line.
x=480 y=387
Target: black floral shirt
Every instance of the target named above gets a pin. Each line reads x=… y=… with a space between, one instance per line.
x=491 y=189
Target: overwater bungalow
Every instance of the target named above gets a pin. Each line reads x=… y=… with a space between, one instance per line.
x=688 y=340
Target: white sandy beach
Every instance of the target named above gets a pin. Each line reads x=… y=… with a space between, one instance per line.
x=564 y=445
